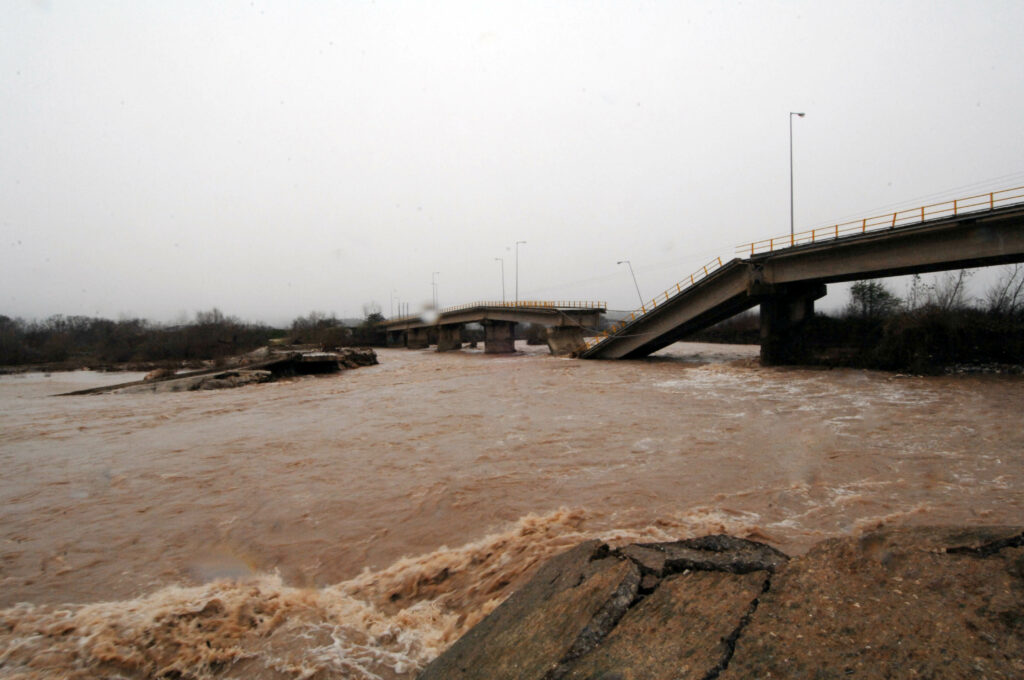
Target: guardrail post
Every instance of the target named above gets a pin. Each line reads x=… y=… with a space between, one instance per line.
x=954 y=206
x=992 y=201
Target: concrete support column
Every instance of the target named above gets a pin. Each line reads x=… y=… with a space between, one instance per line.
x=418 y=338
x=782 y=315
x=565 y=339
x=449 y=338
x=396 y=339
x=499 y=337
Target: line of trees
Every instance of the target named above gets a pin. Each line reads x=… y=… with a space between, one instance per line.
x=317 y=328
x=935 y=325
x=80 y=340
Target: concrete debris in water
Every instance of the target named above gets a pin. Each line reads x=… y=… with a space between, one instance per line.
x=913 y=602
x=236 y=378
x=262 y=365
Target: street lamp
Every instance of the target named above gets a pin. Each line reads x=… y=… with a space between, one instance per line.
x=502 y=261
x=517 y=270
x=433 y=282
x=791 y=114
x=628 y=264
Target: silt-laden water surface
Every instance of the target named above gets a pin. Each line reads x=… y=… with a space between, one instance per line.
x=353 y=525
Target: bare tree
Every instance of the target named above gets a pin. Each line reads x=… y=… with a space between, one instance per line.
x=950 y=291
x=1006 y=296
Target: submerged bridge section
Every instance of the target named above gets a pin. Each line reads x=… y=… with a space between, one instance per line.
x=565 y=321
x=785 y=275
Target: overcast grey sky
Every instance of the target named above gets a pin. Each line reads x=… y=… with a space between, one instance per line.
x=272 y=158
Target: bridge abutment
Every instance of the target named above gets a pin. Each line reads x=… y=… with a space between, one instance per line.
x=449 y=338
x=564 y=340
x=782 y=316
x=499 y=337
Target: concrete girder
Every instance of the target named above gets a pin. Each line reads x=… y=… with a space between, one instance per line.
x=588 y=318
x=969 y=242
x=722 y=294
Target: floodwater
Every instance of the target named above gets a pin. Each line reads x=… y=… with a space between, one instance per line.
x=354 y=525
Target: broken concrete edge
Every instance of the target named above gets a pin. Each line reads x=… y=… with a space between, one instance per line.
x=680 y=556
x=652 y=563
x=625 y=597
x=733 y=637
x=989 y=548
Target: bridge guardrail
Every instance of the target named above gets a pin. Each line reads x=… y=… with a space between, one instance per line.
x=664 y=296
x=900 y=218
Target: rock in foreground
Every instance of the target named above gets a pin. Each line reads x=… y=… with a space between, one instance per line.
x=927 y=603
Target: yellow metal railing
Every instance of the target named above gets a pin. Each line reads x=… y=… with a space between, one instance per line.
x=657 y=300
x=533 y=304
x=900 y=218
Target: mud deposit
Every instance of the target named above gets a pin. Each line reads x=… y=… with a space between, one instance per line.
x=354 y=525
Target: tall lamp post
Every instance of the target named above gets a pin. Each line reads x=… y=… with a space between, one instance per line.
x=791 y=114
x=517 y=270
x=433 y=282
x=502 y=261
x=629 y=264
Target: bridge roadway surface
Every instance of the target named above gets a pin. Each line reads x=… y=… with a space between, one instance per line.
x=786 y=282
x=565 y=322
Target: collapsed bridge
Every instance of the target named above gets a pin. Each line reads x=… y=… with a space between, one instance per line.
x=785 y=275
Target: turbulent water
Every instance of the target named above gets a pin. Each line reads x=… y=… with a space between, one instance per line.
x=354 y=525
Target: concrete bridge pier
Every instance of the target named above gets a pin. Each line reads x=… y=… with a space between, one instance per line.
x=418 y=338
x=782 y=315
x=449 y=337
x=499 y=337
x=564 y=340
x=396 y=338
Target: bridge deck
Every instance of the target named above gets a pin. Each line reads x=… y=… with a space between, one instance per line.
x=545 y=313
x=979 y=238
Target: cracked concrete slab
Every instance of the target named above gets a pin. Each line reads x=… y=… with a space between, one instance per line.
x=678 y=632
x=912 y=602
x=563 y=612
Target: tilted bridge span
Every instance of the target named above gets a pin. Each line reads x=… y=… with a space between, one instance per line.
x=782 y=275
x=785 y=275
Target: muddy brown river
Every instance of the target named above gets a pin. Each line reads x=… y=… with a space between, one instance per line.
x=354 y=525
